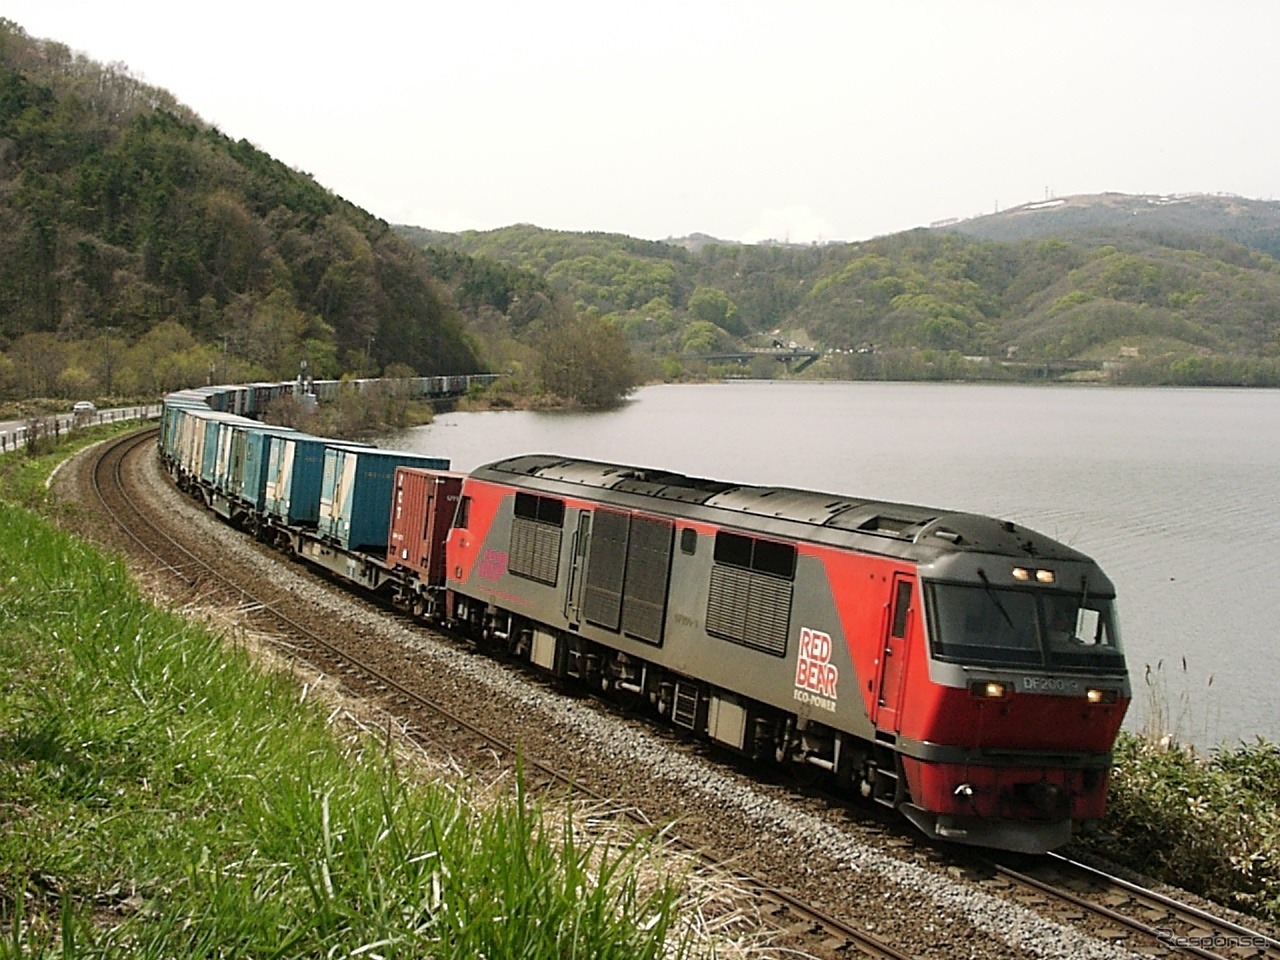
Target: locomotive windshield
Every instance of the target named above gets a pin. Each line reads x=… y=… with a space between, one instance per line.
x=997 y=625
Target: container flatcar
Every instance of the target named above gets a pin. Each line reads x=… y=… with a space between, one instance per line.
x=245 y=481
x=295 y=464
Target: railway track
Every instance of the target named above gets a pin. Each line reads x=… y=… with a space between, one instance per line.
x=1116 y=910
x=1112 y=909
x=1144 y=920
x=807 y=927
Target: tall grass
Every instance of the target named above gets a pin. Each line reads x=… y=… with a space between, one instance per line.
x=160 y=797
x=1170 y=714
x=24 y=472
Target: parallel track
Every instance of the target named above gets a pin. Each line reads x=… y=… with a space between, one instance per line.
x=1168 y=925
x=787 y=911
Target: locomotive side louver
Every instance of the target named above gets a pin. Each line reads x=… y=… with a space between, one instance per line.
x=602 y=603
x=644 y=605
x=536 y=527
x=535 y=551
x=749 y=608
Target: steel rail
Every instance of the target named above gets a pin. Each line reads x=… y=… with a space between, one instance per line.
x=1203 y=916
x=113 y=455
x=1187 y=942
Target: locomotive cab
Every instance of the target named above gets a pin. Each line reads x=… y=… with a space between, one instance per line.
x=1009 y=740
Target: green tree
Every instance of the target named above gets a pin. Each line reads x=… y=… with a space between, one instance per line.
x=714 y=306
x=944 y=333
x=7 y=378
x=586 y=361
x=169 y=358
x=270 y=332
x=701 y=336
x=38 y=359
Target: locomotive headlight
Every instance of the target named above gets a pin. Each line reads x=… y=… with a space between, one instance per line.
x=1098 y=695
x=987 y=688
x=1024 y=575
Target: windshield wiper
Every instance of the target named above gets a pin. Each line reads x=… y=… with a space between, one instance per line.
x=982 y=575
x=1084 y=601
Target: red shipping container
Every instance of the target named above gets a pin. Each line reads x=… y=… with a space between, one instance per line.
x=422 y=511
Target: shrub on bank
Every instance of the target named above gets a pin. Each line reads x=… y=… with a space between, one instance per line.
x=352 y=415
x=1208 y=824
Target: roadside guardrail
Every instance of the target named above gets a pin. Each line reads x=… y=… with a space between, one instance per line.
x=14 y=434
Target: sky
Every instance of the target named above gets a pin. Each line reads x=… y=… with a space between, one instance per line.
x=803 y=121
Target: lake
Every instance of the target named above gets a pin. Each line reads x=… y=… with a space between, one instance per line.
x=1176 y=493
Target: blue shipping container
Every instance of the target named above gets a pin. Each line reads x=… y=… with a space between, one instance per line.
x=355 y=493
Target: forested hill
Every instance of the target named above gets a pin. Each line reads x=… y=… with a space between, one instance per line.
x=1250 y=223
x=124 y=217
x=1165 y=306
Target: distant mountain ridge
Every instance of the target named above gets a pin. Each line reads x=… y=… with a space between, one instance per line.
x=1153 y=285
x=1251 y=223
x=695 y=242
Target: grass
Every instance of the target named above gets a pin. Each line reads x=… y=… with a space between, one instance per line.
x=161 y=796
x=24 y=472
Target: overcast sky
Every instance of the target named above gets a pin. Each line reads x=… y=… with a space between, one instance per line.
x=746 y=120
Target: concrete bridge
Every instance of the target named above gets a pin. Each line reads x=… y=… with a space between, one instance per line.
x=794 y=359
x=1049 y=369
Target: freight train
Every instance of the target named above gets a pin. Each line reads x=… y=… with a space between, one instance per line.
x=962 y=670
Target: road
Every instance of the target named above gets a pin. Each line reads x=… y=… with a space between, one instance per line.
x=13 y=433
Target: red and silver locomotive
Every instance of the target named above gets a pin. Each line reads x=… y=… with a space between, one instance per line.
x=963 y=670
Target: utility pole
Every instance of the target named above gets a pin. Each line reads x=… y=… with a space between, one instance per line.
x=108 y=357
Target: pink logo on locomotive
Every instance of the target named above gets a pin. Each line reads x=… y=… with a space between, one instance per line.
x=814 y=670
x=492 y=565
